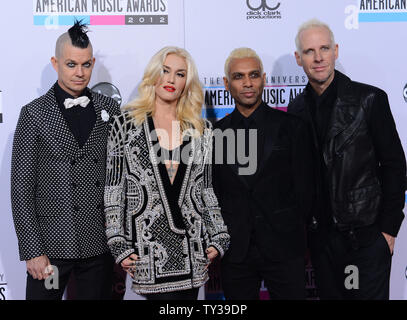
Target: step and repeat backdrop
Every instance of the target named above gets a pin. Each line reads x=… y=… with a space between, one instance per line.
x=126 y=33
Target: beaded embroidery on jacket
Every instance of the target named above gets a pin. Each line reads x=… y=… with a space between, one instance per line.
x=135 y=201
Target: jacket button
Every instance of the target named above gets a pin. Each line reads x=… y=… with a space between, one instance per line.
x=98 y=183
x=95 y=160
x=74 y=185
x=82 y=157
x=73 y=162
x=76 y=208
x=99 y=206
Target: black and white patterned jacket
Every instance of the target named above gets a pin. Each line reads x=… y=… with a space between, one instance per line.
x=56 y=187
x=138 y=214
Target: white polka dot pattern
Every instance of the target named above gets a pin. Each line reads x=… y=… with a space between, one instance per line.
x=56 y=187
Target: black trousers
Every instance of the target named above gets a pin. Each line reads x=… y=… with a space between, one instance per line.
x=118 y=282
x=93 y=279
x=191 y=294
x=285 y=280
x=368 y=273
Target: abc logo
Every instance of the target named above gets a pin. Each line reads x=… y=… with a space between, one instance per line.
x=405 y=93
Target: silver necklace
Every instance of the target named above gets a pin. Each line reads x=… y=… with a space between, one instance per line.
x=171 y=170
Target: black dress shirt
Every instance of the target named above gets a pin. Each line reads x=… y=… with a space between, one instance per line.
x=321 y=109
x=254 y=121
x=80 y=120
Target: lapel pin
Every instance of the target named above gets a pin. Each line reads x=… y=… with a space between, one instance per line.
x=105 y=116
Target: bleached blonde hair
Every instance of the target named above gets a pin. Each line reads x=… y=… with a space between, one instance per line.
x=189 y=106
x=313 y=23
x=241 y=53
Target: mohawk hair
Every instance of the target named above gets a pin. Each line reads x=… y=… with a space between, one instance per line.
x=78 y=35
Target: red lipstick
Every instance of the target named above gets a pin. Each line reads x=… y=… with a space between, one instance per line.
x=169 y=88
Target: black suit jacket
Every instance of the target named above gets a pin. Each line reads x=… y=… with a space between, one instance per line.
x=272 y=211
x=56 y=186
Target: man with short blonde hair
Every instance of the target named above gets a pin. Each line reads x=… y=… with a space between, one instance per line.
x=240 y=53
x=360 y=176
x=264 y=210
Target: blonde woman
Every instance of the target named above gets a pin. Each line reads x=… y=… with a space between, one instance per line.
x=164 y=224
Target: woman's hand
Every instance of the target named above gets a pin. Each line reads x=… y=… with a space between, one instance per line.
x=129 y=264
x=211 y=253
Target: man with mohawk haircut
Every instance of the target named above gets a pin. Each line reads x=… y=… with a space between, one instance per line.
x=57 y=179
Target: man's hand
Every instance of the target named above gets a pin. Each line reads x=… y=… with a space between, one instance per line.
x=39 y=267
x=129 y=263
x=390 y=241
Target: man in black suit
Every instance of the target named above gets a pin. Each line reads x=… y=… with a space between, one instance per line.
x=360 y=173
x=263 y=180
x=57 y=179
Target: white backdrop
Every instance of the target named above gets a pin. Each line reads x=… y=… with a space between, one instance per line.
x=371 y=50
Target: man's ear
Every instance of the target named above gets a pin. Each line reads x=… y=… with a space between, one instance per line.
x=298 y=58
x=226 y=83
x=54 y=62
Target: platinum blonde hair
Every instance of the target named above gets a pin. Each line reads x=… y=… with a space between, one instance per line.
x=313 y=23
x=189 y=106
x=241 y=53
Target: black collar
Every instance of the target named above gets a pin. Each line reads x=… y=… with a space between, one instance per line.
x=257 y=117
x=61 y=94
x=331 y=90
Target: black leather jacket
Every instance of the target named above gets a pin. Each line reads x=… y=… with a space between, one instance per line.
x=365 y=162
